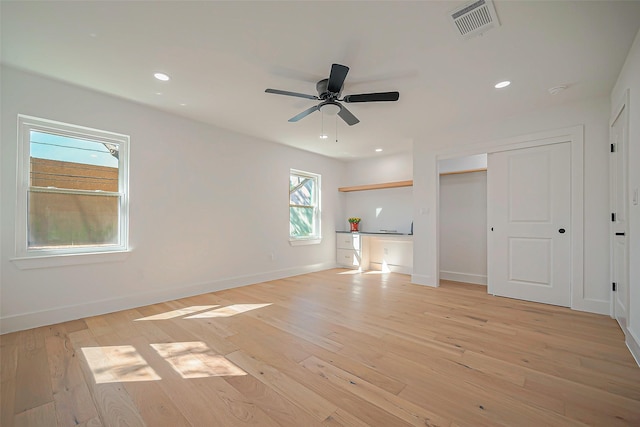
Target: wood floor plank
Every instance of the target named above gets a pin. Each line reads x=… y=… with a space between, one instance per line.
x=113 y=403
x=7 y=402
x=33 y=379
x=342 y=418
x=73 y=401
x=40 y=416
x=280 y=409
x=333 y=348
x=401 y=408
x=205 y=399
x=306 y=399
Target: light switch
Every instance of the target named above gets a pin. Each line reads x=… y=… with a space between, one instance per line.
x=635 y=196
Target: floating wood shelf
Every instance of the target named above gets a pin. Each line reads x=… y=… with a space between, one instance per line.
x=376 y=186
x=464 y=171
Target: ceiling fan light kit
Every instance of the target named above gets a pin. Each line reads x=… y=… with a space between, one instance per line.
x=330 y=109
x=329 y=91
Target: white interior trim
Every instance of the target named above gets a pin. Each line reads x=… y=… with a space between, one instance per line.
x=477 y=279
x=633 y=344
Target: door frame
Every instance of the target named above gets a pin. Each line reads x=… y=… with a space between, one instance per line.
x=623 y=105
x=575 y=136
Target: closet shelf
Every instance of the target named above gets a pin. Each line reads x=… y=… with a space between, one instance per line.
x=464 y=171
x=376 y=186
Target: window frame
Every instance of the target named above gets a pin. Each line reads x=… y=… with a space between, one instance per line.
x=317 y=231
x=26 y=124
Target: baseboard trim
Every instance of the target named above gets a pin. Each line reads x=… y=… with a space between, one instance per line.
x=56 y=315
x=477 y=279
x=421 y=279
x=633 y=344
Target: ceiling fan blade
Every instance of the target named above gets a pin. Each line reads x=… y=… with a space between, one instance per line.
x=287 y=93
x=336 y=78
x=304 y=114
x=372 y=97
x=346 y=115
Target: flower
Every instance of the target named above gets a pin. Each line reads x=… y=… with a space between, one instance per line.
x=354 y=220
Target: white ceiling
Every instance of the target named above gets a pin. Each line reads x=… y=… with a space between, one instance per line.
x=223 y=55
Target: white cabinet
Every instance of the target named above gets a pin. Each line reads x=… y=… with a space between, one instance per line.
x=366 y=251
x=349 y=250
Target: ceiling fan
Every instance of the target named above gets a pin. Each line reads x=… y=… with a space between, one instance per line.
x=329 y=91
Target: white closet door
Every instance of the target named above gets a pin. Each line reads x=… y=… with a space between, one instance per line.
x=619 y=243
x=529 y=220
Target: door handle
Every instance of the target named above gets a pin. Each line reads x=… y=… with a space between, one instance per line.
x=561 y=231
x=620 y=234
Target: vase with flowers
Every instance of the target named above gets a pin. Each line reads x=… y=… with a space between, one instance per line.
x=353 y=222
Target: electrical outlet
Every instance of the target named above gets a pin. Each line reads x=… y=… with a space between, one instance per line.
x=386 y=251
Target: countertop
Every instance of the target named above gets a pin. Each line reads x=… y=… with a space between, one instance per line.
x=377 y=233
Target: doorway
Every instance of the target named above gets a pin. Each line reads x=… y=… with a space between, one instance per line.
x=574 y=136
x=463 y=219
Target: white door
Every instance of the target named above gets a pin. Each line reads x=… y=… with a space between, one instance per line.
x=618 y=191
x=529 y=220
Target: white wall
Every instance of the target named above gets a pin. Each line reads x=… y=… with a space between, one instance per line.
x=384 y=209
x=208 y=207
x=458 y=164
x=594 y=115
x=378 y=169
x=463 y=227
x=630 y=79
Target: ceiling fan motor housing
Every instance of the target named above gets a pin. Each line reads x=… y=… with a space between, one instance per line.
x=323 y=93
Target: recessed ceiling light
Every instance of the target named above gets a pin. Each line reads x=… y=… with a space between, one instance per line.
x=323 y=137
x=183 y=104
x=158 y=93
x=502 y=84
x=161 y=76
x=378 y=150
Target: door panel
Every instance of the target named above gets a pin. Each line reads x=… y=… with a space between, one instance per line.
x=619 y=243
x=530 y=261
x=529 y=189
x=529 y=212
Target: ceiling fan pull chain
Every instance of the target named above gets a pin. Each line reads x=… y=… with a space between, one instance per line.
x=336 y=128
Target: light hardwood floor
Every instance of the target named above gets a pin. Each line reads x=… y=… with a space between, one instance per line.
x=334 y=348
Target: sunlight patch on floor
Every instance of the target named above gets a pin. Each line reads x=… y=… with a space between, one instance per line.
x=351 y=272
x=121 y=363
x=178 y=313
x=196 y=360
x=228 y=311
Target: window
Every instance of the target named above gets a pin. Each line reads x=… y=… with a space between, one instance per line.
x=72 y=189
x=304 y=207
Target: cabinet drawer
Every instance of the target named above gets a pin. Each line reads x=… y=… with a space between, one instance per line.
x=348 y=241
x=348 y=258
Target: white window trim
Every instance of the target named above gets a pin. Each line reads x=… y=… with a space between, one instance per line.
x=49 y=257
x=317 y=237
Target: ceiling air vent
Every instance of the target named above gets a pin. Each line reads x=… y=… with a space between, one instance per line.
x=475 y=18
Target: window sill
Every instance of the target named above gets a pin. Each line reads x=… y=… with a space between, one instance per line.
x=50 y=261
x=302 y=242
